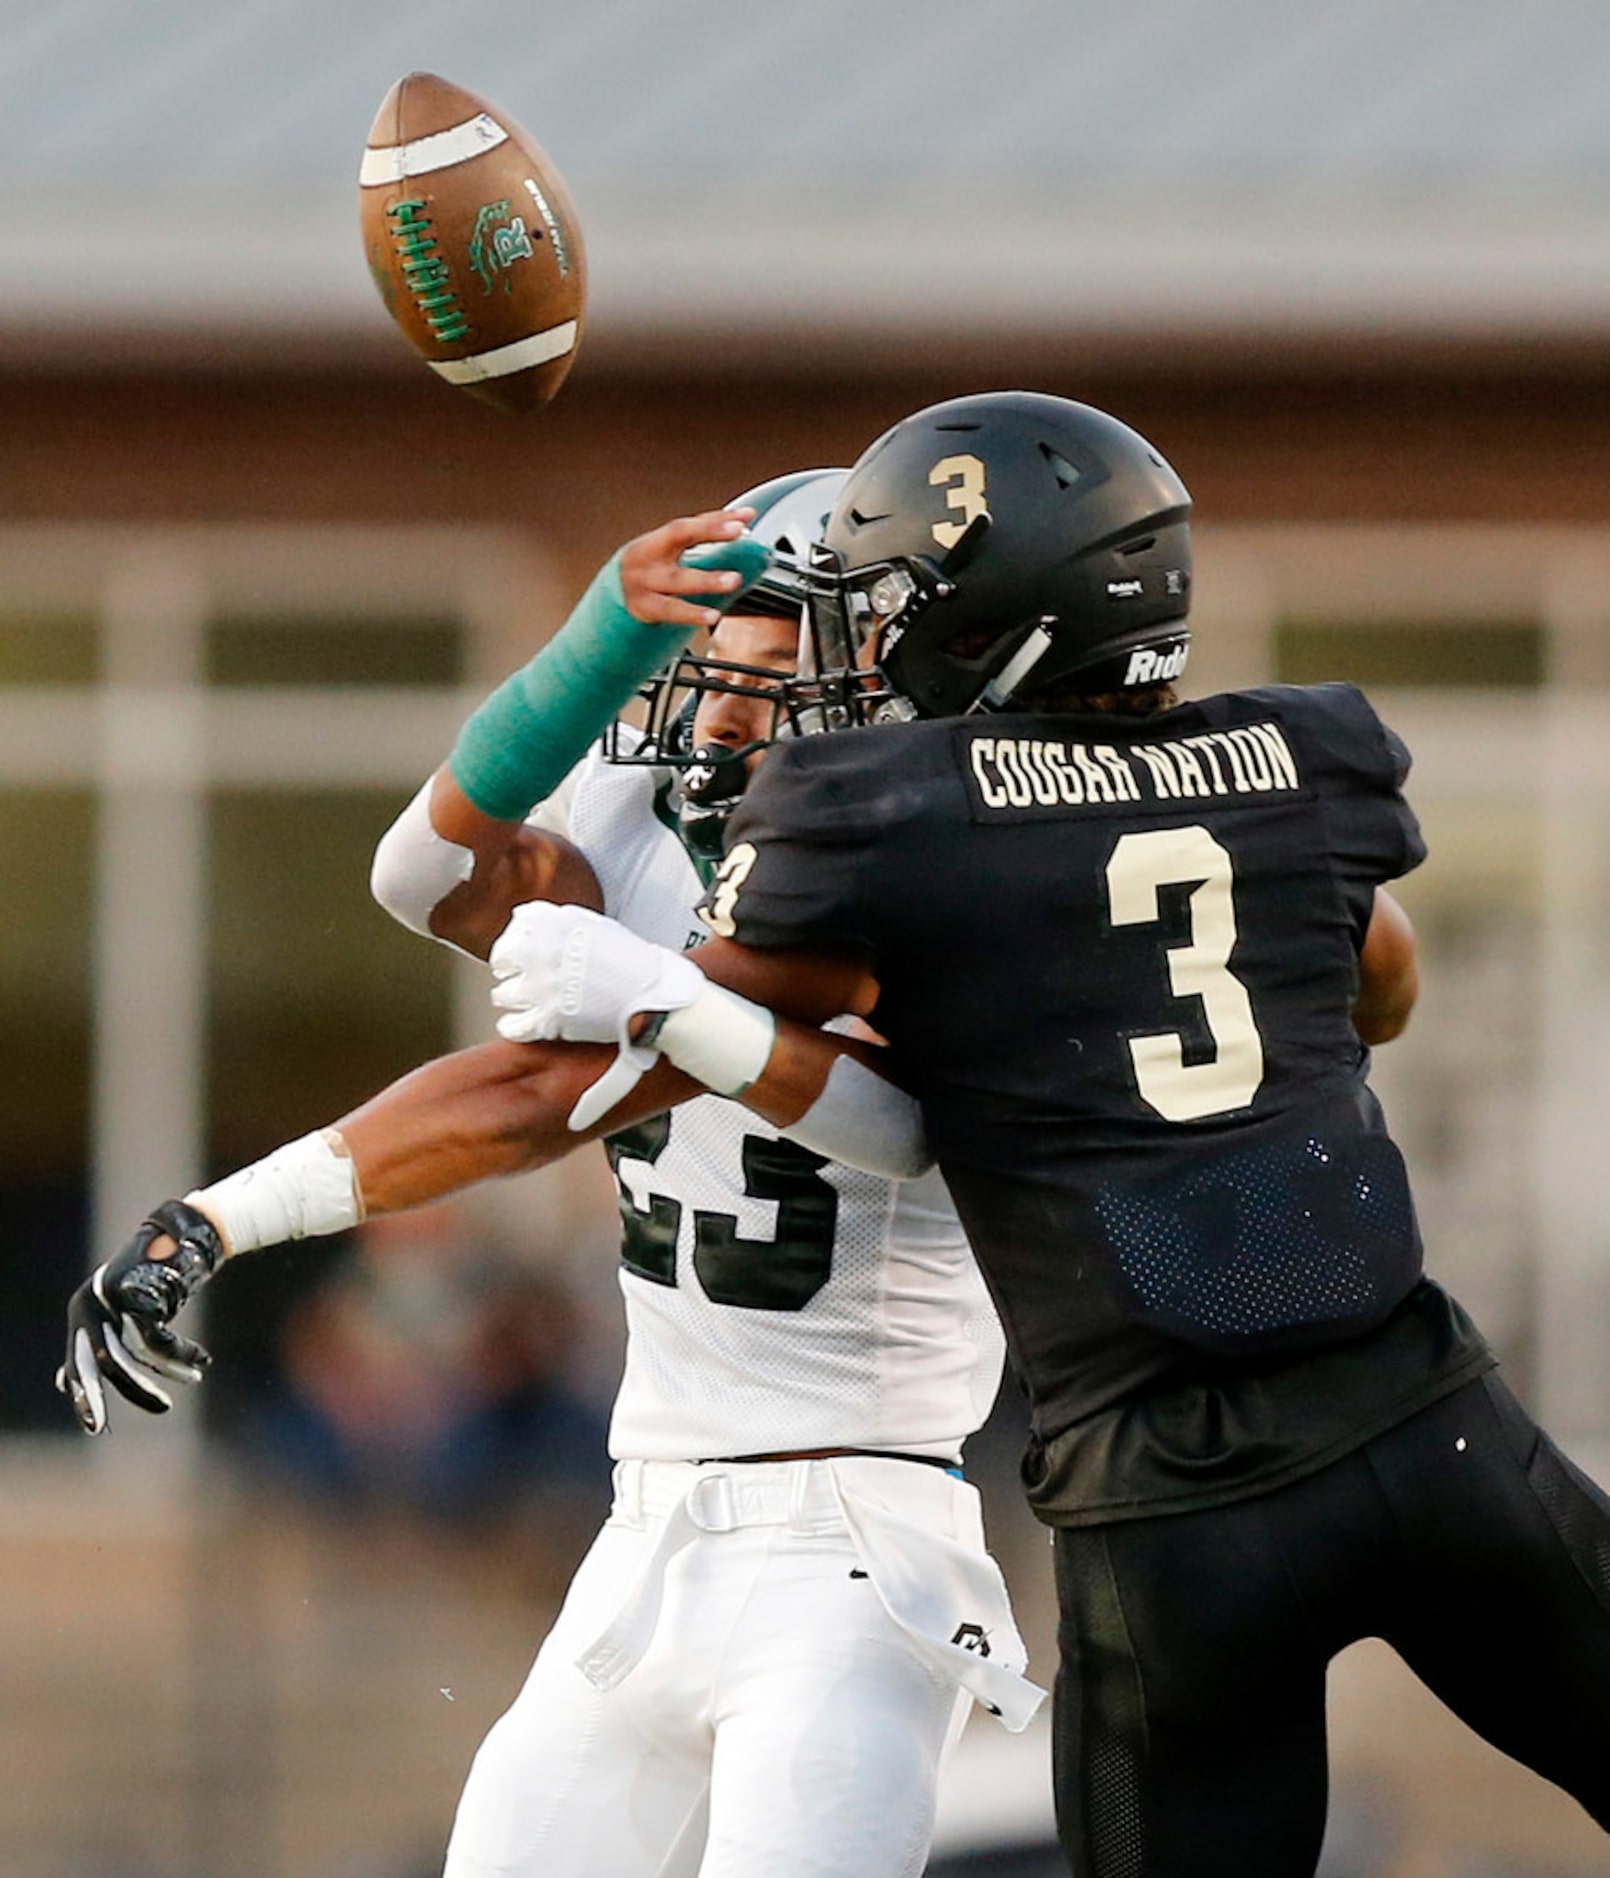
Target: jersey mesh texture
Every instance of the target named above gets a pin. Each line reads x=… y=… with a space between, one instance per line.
x=1265 y=1239
x=1570 y=1499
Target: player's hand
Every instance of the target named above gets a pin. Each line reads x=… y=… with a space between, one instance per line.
x=565 y=974
x=120 y=1320
x=662 y=589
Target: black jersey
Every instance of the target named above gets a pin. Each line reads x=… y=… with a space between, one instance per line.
x=1118 y=959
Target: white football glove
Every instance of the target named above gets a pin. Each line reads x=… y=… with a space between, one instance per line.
x=568 y=975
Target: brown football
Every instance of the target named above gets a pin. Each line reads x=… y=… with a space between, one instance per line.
x=473 y=243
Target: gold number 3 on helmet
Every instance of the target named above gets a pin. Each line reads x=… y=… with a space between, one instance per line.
x=965 y=475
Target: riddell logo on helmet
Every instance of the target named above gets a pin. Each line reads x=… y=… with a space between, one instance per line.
x=1151 y=667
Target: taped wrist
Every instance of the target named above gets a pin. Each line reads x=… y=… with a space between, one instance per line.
x=531 y=732
x=720 y=1039
x=300 y=1191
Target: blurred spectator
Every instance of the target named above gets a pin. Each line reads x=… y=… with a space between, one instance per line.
x=430 y=1377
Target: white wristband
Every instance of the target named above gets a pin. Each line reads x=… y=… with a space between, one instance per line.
x=720 y=1039
x=306 y=1188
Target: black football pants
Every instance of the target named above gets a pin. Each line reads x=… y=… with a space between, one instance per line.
x=1190 y=1701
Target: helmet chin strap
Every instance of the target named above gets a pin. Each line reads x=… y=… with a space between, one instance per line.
x=1000 y=690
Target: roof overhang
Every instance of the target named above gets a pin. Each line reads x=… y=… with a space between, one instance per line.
x=195 y=273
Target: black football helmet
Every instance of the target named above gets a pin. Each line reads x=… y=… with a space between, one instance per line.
x=997 y=548
x=790 y=514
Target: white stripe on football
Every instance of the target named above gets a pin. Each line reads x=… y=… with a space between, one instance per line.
x=520 y=357
x=390 y=163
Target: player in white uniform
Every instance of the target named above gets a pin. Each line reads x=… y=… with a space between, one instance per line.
x=775 y=1304
x=761 y=1661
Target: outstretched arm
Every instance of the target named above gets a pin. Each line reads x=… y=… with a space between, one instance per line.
x=565 y=973
x=483 y=1113
x=498 y=1108
x=461 y=856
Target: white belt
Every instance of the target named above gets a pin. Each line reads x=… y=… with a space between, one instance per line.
x=948 y=1597
x=721 y=1496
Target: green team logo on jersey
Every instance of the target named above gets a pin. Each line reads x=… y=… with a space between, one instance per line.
x=498 y=240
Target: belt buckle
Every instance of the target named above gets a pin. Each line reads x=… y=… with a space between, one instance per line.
x=712 y=1504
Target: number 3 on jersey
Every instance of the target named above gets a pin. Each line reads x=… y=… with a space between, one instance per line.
x=730 y=876
x=1139 y=865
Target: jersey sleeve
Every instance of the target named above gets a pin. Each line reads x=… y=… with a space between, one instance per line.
x=794 y=872
x=1361 y=766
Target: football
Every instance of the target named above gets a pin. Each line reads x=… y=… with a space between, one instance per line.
x=472 y=240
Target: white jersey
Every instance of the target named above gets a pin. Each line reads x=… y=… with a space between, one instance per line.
x=774 y=1301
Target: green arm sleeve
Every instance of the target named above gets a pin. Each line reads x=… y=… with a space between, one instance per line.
x=519 y=745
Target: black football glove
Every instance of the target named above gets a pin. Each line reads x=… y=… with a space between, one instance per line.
x=119 y=1321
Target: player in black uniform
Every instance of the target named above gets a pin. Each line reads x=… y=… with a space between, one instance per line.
x=1129 y=953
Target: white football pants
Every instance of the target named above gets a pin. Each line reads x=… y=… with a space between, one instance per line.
x=756 y=1674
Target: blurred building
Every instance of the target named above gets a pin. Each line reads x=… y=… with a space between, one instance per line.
x=1351 y=271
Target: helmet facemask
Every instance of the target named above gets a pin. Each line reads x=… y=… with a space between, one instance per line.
x=857 y=618
x=707 y=781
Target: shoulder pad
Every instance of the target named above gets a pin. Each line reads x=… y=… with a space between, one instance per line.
x=1338 y=721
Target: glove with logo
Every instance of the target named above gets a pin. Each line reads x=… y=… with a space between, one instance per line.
x=119 y=1321
x=566 y=974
